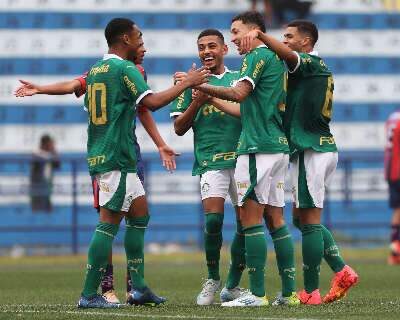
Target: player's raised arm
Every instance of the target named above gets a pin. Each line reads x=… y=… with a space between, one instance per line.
x=237 y=93
x=184 y=121
x=30 y=89
x=194 y=78
x=283 y=51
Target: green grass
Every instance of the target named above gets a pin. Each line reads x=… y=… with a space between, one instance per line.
x=49 y=287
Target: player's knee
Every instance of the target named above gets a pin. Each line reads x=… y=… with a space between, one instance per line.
x=214 y=222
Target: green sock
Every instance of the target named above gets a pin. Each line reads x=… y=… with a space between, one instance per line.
x=99 y=249
x=256 y=254
x=238 y=258
x=313 y=250
x=331 y=251
x=284 y=251
x=134 y=248
x=213 y=243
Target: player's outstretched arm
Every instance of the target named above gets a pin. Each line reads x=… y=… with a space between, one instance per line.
x=194 y=78
x=167 y=154
x=184 y=121
x=60 y=88
x=228 y=107
x=236 y=94
x=284 y=52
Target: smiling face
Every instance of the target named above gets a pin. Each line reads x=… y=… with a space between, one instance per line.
x=238 y=31
x=211 y=51
x=295 y=40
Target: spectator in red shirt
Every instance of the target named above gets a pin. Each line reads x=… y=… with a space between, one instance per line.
x=392 y=176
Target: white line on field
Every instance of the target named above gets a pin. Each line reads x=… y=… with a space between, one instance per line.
x=150 y=316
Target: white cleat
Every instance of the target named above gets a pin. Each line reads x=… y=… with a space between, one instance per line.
x=111 y=296
x=207 y=294
x=227 y=295
x=247 y=300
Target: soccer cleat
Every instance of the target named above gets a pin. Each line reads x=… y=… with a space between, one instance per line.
x=206 y=296
x=247 y=300
x=144 y=297
x=394 y=257
x=292 y=300
x=98 y=301
x=231 y=294
x=341 y=283
x=312 y=298
x=111 y=296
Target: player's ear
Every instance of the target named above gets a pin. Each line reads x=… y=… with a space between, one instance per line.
x=225 y=49
x=125 y=38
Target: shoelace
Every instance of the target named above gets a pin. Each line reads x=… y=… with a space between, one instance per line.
x=208 y=286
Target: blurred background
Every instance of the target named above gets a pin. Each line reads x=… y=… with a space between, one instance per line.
x=45 y=192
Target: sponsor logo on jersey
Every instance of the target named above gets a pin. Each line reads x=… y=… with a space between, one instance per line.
x=96 y=160
x=244 y=66
x=130 y=85
x=258 y=68
x=328 y=140
x=225 y=156
x=209 y=109
x=181 y=99
x=283 y=140
x=102 y=69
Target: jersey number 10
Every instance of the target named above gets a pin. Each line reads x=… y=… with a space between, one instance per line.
x=92 y=91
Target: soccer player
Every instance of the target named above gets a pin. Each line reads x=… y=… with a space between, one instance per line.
x=114 y=88
x=216 y=135
x=392 y=175
x=167 y=155
x=262 y=155
x=313 y=153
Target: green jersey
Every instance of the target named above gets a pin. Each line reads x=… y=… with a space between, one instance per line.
x=309 y=106
x=215 y=133
x=114 y=87
x=262 y=127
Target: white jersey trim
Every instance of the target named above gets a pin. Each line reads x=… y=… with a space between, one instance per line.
x=175 y=114
x=142 y=96
x=248 y=79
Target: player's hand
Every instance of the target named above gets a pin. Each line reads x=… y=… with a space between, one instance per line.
x=196 y=77
x=179 y=76
x=27 y=89
x=167 y=155
x=247 y=41
x=200 y=96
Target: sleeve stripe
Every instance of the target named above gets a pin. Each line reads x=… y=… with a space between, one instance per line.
x=249 y=80
x=174 y=114
x=297 y=65
x=142 y=96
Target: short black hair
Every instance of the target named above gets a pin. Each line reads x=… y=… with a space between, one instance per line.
x=45 y=139
x=211 y=32
x=251 y=17
x=116 y=28
x=306 y=27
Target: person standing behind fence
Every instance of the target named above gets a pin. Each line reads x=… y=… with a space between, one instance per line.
x=392 y=176
x=44 y=161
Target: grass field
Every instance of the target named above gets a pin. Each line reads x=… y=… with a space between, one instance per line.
x=49 y=287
